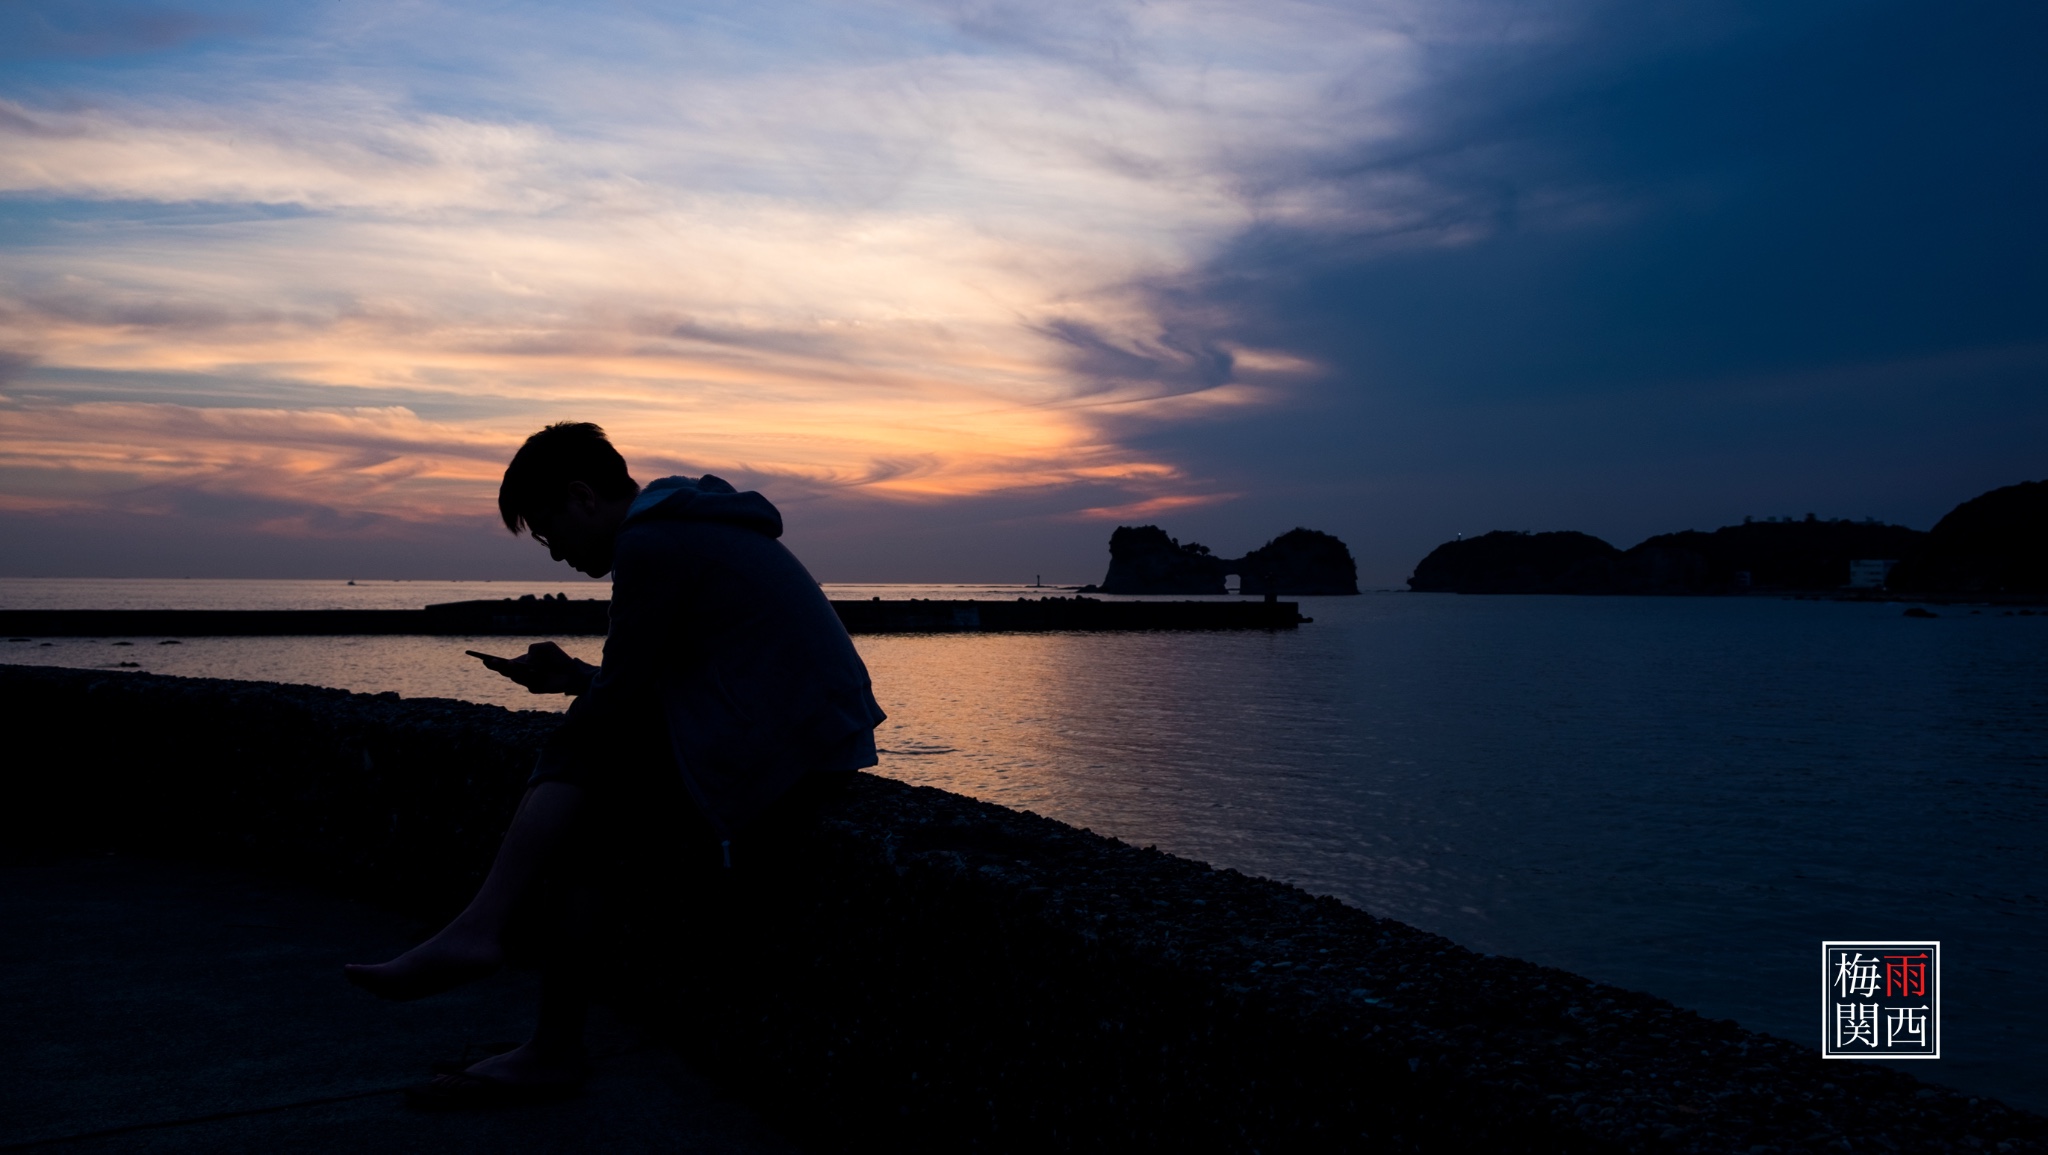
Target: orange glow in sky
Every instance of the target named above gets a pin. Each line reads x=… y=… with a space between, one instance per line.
x=855 y=274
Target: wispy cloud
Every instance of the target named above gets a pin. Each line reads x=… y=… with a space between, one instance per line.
x=101 y=28
x=901 y=255
x=1060 y=259
x=132 y=457
x=334 y=154
x=1153 y=507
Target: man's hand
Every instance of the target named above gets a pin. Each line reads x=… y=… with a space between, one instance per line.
x=545 y=669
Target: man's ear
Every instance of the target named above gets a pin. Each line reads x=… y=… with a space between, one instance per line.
x=581 y=495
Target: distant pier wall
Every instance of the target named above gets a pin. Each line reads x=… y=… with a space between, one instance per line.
x=935 y=973
x=562 y=618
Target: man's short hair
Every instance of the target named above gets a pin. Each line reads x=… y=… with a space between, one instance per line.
x=539 y=476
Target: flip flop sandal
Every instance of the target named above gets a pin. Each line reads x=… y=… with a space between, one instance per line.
x=462 y=1091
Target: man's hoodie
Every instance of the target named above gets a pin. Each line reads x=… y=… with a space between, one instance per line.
x=705 y=498
x=720 y=632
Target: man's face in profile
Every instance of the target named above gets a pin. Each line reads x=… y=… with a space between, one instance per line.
x=578 y=532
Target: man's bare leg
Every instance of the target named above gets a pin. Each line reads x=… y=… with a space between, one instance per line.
x=555 y=1055
x=472 y=945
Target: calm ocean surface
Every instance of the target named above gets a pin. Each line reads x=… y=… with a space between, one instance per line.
x=1679 y=795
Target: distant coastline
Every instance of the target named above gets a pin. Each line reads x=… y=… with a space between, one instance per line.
x=1992 y=548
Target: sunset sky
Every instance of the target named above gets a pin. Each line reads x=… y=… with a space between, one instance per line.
x=963 y=286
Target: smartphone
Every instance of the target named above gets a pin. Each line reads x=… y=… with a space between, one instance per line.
x=491 y=660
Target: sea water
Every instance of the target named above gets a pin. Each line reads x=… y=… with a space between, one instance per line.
x=1678 y=795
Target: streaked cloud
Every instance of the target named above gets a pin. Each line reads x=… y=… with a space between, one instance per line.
x=885 y=262
x=127 y=456
x=1234 y=264
x=1154 y=507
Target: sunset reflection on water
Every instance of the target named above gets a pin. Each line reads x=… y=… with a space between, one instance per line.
x=1191 y=743
x=1654 y=792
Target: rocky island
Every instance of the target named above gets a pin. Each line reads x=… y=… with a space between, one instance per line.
x=1996 y=543
x=1144 y=560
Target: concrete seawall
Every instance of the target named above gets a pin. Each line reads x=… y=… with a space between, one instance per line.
x=936 y=972
x=590 y=618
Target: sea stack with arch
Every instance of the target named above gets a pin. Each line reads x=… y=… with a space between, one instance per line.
x=1144 y=560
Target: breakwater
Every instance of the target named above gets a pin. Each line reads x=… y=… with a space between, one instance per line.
x=564 y=618
x=934 y=972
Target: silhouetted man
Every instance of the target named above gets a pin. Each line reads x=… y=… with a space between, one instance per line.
x=725 y=671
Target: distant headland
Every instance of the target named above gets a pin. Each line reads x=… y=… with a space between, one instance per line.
x=1144 y=560
x=1995 y=544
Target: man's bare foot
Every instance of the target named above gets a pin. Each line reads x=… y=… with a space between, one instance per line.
x=441 y=963
x=519 y=1077
x=530 y=1066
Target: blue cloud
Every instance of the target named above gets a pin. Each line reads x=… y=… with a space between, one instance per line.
x=1607 y=266
x=1181 y=360
x=1665 y=271
x=102 y=29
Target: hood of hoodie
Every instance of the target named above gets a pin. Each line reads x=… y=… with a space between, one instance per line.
x=705 y=498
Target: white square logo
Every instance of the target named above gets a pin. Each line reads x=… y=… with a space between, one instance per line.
x=1880 y=1000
